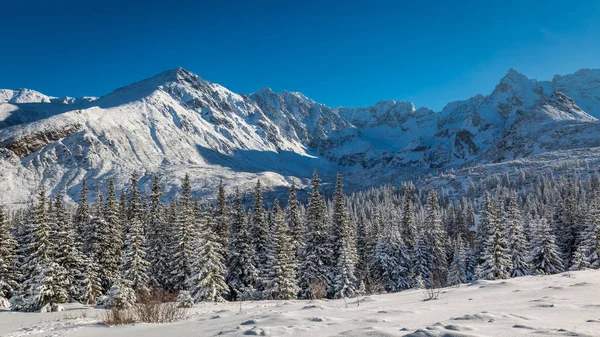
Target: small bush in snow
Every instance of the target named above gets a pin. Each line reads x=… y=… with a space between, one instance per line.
x=185 y=300
x=152 y=306
x=158 y=306
x=102 y=302
x=52 y=307
x=121 y=296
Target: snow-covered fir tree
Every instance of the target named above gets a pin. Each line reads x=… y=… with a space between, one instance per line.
x=313 y=268
x=66 y=252
x=82 y=215
x=483 y=227
x=9 y=273
x=392 y=260
x=458 y=269
x=186 y=239
x=207 y=283
x=295 y=222
x=580 y=259
x=157 y=236
x=408 y=230
x=422 y=262
x=495 y=254
x=95 y=229
x=110 y=254
x=242 y=273
x=281 y=283
x=135 y=265
x=568 y=221
x=259 y=232
x=89 y=281
x=545 y=257
x=343 y=248
x=42 y=276
x=221 y=223
x=590 y=244
x=434 y=234
x=365 y=249
x=517 y=245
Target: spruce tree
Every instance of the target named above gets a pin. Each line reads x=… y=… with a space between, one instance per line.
x=89 y=281
x=295 y=222
x=66 y=252
x=496 y=254
x=221 y=223
x=242 y=274
x=157 y=236
x=517 y=245
x=186 y=239
x=457 y=271
x=365 y=248
x=580 y=259
x=82 y=215
x=343 y=254
x=408 y=228
x=172 y=244
x=135 y=265
x=96 y=228
x=313 y=271
x=41 y=275
x=422 y=262
x=569 y=224
x=207 y=283
x=110 y=256
x=591 y=235
x=259 y=232
x=483 y=227
x=545 y=258
x=435 y=235
x=281 y=281
x=9 y=274
x=391 y=261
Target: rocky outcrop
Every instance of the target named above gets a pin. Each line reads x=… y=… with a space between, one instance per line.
x=23 y=146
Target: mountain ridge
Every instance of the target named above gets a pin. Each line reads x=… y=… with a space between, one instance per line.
x=176 y=122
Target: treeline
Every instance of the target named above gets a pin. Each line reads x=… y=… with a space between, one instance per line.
x=381 y=240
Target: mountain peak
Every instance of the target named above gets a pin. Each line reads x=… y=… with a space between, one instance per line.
x=173 y=75
x=512 y=75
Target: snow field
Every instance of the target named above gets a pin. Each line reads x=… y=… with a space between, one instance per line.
x=566 y=304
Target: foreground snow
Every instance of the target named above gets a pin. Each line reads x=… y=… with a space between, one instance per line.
x=559 y=305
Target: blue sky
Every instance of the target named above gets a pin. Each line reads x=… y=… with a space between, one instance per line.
x=351 y=53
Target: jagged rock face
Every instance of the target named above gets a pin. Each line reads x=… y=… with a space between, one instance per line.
x=35 y=141
x=583 y=87
x=176 y=123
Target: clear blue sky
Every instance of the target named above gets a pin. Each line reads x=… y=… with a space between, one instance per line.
x=351 y=53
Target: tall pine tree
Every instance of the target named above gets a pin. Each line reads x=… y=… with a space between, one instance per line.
x=9 y=274
x=313 y=271
x=207 y=283
x=281 y=283
x=242 y=274
x=135 y=265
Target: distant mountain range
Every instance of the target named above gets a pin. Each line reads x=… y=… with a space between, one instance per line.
x=176 y=123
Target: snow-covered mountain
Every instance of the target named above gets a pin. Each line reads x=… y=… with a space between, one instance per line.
x=176 y=123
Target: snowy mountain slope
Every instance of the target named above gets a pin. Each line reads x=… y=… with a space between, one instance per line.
x=583 y=87
x=25 y=106
x=176 y=122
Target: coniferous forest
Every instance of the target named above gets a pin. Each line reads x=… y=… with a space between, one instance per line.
x=386 y=239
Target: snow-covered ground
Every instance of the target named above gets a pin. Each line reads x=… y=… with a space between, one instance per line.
x=566 y=304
